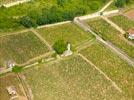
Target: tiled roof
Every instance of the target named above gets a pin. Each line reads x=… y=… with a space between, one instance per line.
x=131 y=31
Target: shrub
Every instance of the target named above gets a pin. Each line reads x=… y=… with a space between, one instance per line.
x=17 y=69
x=94 y=5
x=42 y=20
x=27 y=22
x=60 y=46
x=60 y=2
x=120 y=3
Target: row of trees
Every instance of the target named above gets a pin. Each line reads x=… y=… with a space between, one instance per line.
x=63 y=10
x=52 y=15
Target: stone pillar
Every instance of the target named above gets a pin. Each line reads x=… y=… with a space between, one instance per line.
x=69 y=47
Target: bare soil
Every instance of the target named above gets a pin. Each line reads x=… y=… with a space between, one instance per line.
x=130 y=14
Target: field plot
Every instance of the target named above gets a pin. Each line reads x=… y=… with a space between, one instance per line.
x=70 y=79
x=124 y=22
x=109 y=33
x=11 y=80
x=113 y=66
x=20 y=47
x=68 y=32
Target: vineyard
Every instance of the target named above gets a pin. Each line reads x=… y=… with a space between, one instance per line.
x=72 y=78
x=21 y=47
x=125 y=23
x=68 y=32
x=110 y=34
x=118 y=70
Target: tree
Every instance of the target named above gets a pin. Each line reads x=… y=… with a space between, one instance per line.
x=104 y=1
x=27 y=22
x=60 y=46
x=94 y=5
x=42 y=20
x=60 y=2
x=120 y=3
x=127 y=1
x=17 y=69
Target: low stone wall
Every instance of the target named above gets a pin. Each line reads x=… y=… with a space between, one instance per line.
x=5 y=70
x=98 y=14
x=14 y=3
x=49 y=25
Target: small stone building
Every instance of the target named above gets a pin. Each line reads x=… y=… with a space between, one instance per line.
x=131 y=34
x=10 y=63
x=11 y=90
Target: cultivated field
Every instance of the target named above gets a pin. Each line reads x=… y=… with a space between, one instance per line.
x=68 y=32
x=124 y=22
x=70 y=79
x=11 y=80
x=113 y=66
x=109 y=33
x=20 y=47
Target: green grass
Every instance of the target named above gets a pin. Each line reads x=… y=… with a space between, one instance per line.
x=20 y=47
x=68 y=32
x=122 y=21
x=70 y=79
x=116 y=68
x=9 y=17
x=109 y=33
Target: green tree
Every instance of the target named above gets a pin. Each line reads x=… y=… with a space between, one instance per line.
x=60 y=46
x=17 y=69
x=60 y=2
x=27 y=22
x=94 y=5
x=120 y=3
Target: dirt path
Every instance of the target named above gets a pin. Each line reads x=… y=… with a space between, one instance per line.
x=42 y=39
x=106 y=6
x=22 y=89
x=113 y=83
x=26 y=87
x=85 y=45
x=15 y=33
x=113 y=25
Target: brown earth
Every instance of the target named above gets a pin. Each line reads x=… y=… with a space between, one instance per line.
x=130 y=14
